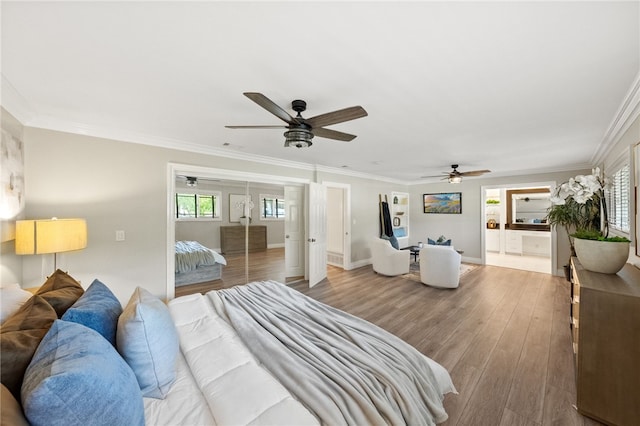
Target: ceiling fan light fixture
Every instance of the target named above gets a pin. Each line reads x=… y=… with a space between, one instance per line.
x=455 y=179
x=300 y=138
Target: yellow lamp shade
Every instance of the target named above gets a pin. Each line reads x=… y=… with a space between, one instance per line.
x=44 y=236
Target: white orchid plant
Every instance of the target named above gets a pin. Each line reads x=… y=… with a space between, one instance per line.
x=579 y=205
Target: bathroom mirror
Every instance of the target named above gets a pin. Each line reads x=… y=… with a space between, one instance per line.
x=527 y=208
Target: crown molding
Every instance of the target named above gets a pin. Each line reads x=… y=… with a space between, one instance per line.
x=51 y=123
x=625 y=116
x=14 y=103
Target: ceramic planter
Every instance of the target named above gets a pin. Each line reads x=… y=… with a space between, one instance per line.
x=606 y=257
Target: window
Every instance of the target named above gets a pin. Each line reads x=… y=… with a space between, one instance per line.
x=198 y=206
x=618 y=200
x=271 y=206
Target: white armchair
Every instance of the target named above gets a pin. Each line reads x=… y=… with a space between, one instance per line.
x=387 y=260
x=440 y=266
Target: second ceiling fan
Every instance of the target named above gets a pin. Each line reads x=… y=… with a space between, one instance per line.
x=454 y=176
x=302 y=130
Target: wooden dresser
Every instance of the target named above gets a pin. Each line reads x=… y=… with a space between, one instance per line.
x=605 y=321
x=232 y=238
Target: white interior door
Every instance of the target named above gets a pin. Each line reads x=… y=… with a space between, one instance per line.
x=316 y=237
x=294 y=231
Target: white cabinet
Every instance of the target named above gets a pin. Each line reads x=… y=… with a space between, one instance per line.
x=399 y=209
x=492 y=240
x=535 y=243
x=513 y=243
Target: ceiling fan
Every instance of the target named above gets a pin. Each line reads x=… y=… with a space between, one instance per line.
x=455 y=176
x=302 y=130
x=192 y=181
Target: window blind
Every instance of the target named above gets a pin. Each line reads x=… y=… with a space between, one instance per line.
x=618 y=200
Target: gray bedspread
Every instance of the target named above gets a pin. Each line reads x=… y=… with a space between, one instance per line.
x=342 y=368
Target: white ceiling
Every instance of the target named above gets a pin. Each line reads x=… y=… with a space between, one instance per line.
x=512 y=87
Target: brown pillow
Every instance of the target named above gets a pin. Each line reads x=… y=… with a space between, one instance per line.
x=61 y=291
x=20 y=336
x=11 y=412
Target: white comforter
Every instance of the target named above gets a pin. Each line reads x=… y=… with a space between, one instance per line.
x=220 y=382
x=191 y=254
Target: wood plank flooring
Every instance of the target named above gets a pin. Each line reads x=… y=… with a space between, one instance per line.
x=503 y=334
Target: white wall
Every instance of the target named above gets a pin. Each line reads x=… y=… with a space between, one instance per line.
x=11 y=265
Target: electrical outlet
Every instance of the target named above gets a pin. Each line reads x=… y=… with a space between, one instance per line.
x=119 y=235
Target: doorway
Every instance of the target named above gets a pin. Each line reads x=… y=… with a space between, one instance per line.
x=240 y=179
x=515 y=233
x=338 y=224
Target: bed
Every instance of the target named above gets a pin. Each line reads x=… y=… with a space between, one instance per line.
x=196 y=263
x=260 y=353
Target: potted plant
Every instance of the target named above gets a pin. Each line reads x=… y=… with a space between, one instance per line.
x=579 y=206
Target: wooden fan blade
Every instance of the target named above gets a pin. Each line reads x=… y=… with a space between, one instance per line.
x=271 y=106
x=474 y=173
x=335 y=117
x=257 y=127
x=333 y=134
x=440 y=175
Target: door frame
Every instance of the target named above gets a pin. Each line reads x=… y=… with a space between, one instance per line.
x=346 y=220
x=483 y=200
x=175 y=169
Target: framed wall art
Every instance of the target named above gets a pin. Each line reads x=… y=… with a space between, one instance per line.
x=237 y=207
x=443 y=202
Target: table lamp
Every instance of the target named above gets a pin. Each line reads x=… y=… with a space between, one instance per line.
x=44 y=236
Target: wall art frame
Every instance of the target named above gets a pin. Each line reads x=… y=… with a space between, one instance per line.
x=442 y=203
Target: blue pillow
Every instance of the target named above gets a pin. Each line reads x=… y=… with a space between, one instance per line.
x=147 y=339
x=400 y=232
x=435 y=243
x=97 y=309
x=394 y=242
x=77 y=378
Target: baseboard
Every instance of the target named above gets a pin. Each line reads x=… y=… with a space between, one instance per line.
x=358 y=264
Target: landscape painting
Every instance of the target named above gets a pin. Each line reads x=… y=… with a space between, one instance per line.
x=443 y=202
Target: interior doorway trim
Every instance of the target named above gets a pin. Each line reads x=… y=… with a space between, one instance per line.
x=483 y=199
x=174 y=169
x=346 y=219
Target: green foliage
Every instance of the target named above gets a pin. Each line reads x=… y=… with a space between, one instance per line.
x=490 y=201
x=597 y=236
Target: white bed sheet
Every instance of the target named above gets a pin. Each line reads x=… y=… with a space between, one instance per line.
x=234 y=387
x=221 y=383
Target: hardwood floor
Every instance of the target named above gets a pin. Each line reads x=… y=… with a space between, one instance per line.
x=503 y=335
x=263 y=265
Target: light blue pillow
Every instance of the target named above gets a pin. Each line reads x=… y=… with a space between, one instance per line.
x=147 y=339
x=77 y=378
x=97 y=309
x=400 y=232
x=394 y=242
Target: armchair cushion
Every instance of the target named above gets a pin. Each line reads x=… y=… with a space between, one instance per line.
x=392 y=239
x=440 y=266
x=441 y=243
x=387 y=260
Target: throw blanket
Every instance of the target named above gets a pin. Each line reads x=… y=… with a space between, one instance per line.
x=342 y=368
x=191 y=254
